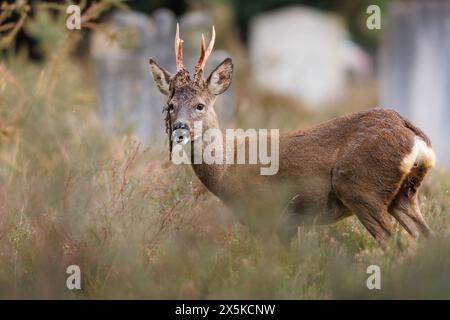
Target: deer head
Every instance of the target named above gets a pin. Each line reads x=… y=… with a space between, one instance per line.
x=190 y=100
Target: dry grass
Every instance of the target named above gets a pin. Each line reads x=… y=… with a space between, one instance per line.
x=140 y=227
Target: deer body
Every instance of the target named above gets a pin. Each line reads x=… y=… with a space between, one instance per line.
x=369 y=163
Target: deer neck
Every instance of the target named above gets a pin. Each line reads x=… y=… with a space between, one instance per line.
x=211 y=175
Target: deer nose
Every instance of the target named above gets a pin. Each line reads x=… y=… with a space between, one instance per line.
x=180 y=125
x=180 y=133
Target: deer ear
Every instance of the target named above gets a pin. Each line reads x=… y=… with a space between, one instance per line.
x=220 y=78
x=161 y=77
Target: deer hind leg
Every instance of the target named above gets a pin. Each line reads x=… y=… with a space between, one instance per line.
x=373 y=215
x=405 y=206
x=366 y=195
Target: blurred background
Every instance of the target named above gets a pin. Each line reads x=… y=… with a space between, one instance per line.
x=84 y=171
x=319 y=55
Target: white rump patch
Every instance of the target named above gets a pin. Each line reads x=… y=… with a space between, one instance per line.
x=420 y=154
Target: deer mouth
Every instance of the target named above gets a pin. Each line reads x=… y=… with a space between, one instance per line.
x=181 y=136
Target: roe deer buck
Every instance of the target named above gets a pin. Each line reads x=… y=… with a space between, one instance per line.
x=369 y=163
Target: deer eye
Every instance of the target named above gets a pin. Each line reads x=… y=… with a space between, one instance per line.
x=200 y=107
x=170 y=107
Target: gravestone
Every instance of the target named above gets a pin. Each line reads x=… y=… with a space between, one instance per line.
x=304 y=53
x=415 y=68
x=127 y=95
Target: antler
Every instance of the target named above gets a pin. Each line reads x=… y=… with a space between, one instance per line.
x=204 y=54
x=178 y=50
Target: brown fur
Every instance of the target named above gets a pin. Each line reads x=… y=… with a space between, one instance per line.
x=354 y=164
x=349 y=165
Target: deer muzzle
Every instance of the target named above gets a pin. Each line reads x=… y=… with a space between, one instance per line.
x=181 y=133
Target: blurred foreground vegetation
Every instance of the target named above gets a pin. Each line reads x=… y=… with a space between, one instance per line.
x=139 y=227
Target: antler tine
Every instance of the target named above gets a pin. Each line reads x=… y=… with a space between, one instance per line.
x=202 y=47
x=204 y=54
x=178 y=49
x=211 y=44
